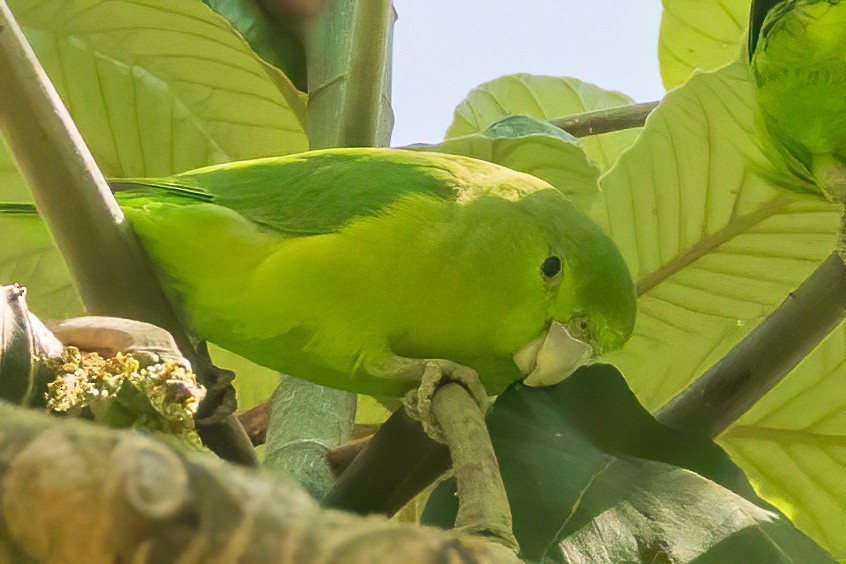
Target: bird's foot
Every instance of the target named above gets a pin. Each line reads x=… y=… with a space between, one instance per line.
x=437 y=373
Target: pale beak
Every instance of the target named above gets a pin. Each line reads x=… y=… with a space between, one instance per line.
x=552 y=357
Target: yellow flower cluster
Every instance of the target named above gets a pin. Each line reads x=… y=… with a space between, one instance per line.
x=137 y=390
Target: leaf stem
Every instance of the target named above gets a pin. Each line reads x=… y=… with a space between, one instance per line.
x=349 y=75
x=306 y=422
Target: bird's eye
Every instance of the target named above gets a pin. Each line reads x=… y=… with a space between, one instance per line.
x=551 y=267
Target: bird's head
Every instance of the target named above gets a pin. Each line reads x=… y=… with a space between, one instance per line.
x=588 y=291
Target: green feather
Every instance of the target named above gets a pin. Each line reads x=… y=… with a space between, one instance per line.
x=799 y=65
x=320 y=191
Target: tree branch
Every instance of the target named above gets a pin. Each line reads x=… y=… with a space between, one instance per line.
x=349 y=105
x=106 y=260
x=76 y=492
x=349 y=75
x=760 y=361
x=306 y=422
x=606 y=121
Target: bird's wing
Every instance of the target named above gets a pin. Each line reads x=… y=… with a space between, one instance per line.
x=310 y=193
x=757 y=16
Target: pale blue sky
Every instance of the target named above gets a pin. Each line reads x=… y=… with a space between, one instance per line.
x=444 y=48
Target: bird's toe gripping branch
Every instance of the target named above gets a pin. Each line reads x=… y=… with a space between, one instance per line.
x=436 y=374
x=451 y=404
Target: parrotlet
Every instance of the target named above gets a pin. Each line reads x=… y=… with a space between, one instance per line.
x=797 y=50
x=363 y=269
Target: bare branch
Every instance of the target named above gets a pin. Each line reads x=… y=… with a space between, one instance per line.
x=760 y=361
x=606 y=121
x=76 y=492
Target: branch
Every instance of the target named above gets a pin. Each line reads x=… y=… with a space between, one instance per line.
x=349 y=105
x=396 y=464
x=591 y=123
x=606 y=121
x=76 y=492
x=349 y=75
x=106 y=260
x=306 y=422
x=483 y=508
x=760 y=361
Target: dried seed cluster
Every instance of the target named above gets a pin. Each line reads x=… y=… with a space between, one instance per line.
x=138 y=390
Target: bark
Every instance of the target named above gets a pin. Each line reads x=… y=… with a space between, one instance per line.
x=606 y=121
x=76 y=492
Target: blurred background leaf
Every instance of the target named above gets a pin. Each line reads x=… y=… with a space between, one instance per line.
x=543 y=98
x=700 y=34
x=534 y=147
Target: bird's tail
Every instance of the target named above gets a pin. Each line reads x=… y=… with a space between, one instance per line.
x=130 y=188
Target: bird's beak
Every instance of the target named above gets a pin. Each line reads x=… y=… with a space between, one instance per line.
x=552 y=357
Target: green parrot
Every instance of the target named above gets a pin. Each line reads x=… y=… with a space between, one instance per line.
x=797 y=50
x=359 y=269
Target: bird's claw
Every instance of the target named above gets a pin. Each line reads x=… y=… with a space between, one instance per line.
x=436 y=373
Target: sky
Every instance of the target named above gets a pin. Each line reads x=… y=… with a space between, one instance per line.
x=444 y=48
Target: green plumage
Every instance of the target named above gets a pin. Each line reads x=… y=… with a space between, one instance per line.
x=798 y=55
x=332 y=265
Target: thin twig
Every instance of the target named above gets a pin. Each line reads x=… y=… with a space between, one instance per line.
x=590 y=123
x=483 y=505
x=606 y=121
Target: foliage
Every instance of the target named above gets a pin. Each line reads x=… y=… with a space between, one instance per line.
x=584 y=463
x=699 y=35
x=543 y=98
x=713 y=242
x=534 y=147
x=695 y=201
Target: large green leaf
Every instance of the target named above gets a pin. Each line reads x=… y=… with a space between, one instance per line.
x=279 y=45
x=592 y=477
x=700 y=34
x=542 y=98
x=713 y=245
x=156 y=87
x=160 y=86
x=534 y=147
x=29 y=258
x=13 y=187
x=792 y=444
